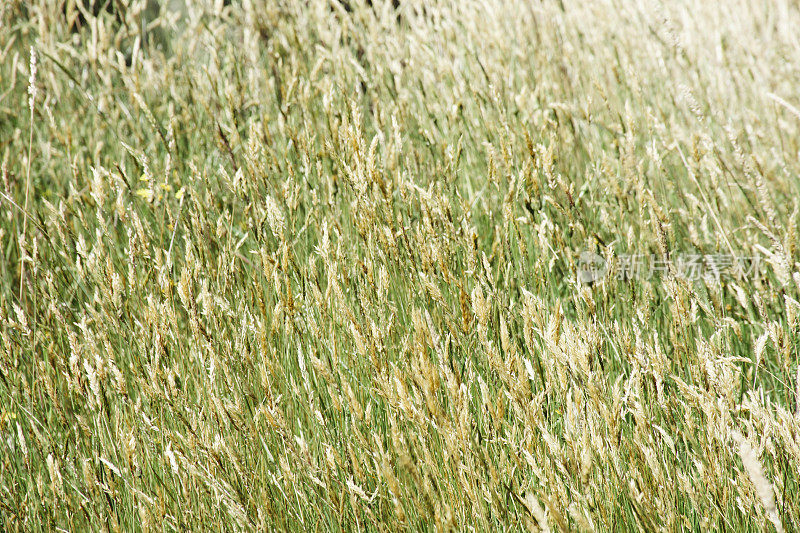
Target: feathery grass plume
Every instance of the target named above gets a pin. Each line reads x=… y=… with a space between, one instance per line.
x=275 y=217
x=764 y=489
x=32 y=93
x=313 y=265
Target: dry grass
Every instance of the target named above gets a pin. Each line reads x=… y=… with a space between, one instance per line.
x=291 y=265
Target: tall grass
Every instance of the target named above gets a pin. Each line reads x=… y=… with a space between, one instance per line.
x=316 y=265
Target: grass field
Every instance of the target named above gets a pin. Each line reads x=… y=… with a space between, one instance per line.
x=473 y=266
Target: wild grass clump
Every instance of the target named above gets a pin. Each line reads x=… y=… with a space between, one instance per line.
x=317 y=265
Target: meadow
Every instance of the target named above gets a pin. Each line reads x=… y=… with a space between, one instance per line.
x=313 y=265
